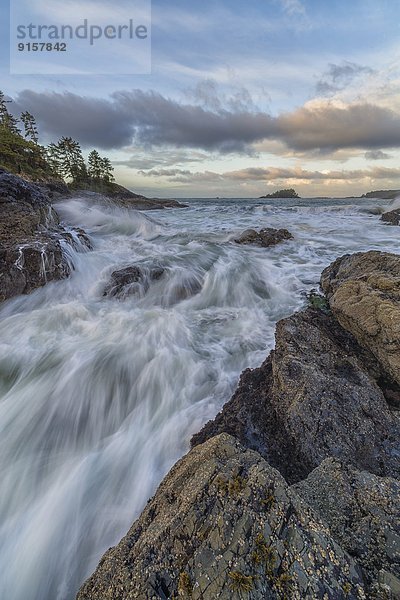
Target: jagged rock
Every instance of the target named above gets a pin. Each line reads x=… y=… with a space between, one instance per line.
x=265 y=237
x=77 y=238
x=55 y=189
x=30 y=234
x=117 y=195
x=391 y=217
x=313 y=398
x=131 y=280
x=362 y=511
x=224 y=524
x=363 y=290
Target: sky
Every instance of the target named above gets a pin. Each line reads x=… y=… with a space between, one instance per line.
x=242 y=99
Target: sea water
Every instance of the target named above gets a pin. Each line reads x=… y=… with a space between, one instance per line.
x=99 y=397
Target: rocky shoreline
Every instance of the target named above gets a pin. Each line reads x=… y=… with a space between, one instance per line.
x=33 y=243
x=292 y=491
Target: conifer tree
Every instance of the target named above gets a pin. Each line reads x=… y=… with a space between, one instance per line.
x=107 y=169
x=30 y=127
x=95 y=169
x=70 y=159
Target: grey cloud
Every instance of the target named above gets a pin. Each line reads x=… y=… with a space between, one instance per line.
x=149 y=119
x=329 y=127
x=338 y=77
x=274 y=174
x=376 y=155
x=92 y=121
x=144 y=161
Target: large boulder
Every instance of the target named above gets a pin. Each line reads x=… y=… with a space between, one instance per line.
x=131 y=280
x=31 y=238
x=362 y=511
x=265 y=237
x=392 y=217
x=316 y=396
x=224 y=524
x=363 y=290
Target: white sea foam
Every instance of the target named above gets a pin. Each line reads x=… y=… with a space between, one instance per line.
x=100 y=397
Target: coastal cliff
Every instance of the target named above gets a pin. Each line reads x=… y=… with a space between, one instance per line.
x=34 y=244
x=292 y=491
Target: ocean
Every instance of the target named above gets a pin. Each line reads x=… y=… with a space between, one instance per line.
x=100 y=396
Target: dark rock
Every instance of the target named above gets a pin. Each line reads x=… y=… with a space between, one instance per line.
x=126 y=199
x=362 y=511
x=265 y=237
x=31 y=252
x=55 y=189
x=77 y=238
x=312 y=398
x=224 y=524
x=131 y=280
x=392 y=217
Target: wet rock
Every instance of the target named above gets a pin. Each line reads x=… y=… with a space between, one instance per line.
x=265 y=237
x=120 y=196
x=77 y=238
x=314 y=397
x=363 y=290
x=362 y=511
x=31 y=252
x=391 y=217
x=224 y=524
x=131 y=280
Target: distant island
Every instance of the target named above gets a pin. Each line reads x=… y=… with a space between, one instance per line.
x=382 y=194
x=290 y=193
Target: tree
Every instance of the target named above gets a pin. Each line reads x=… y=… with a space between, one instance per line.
x=69 y=159
x=6 y=119
x=95 y=169
x=53 y=158
x=3 y=107
x=29 y=123
x=107 y=169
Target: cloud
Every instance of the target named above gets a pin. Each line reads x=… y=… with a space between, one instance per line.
x=159 y=158
x=293 y=7
x=91 y=121
x=328 y=127
x=151 y=120
x=338 y=77
x=208 y=95
x=265 y=175
x=376 y=155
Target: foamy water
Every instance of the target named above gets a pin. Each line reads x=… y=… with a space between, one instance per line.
x=100 y=397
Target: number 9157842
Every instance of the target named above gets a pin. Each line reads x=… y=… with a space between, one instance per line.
x=42 y=47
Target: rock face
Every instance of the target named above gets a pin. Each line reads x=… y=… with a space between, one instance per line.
x=131 y=280
x=31 y=238
x=120 y=196
x=362 y=511
x=364 y=294
x=224 y=524
x=265 y=237
x=304 y=500
x=311 y=399
x=392 y=217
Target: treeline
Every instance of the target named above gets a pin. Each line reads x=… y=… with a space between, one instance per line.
x=21 y=153
x=288 y=193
